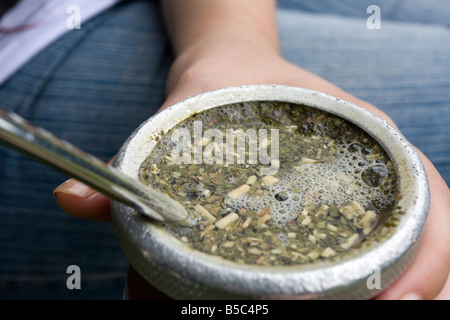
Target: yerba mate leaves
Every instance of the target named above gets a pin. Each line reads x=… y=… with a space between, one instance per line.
x=313 y=190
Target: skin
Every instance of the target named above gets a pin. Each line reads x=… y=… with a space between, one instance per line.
x=217 y=46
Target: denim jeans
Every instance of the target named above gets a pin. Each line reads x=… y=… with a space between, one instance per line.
x=94 y=86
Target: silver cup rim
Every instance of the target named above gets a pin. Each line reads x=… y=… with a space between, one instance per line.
x=146 y=244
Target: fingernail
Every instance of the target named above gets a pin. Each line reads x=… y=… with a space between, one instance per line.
x=76 y=188
x=411 y=296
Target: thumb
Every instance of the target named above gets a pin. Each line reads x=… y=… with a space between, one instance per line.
x=79 y=200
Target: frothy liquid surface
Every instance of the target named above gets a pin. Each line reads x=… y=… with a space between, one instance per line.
x=324 y=192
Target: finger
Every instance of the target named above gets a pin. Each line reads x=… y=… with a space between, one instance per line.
x=81 y=201
x=428 y=273
x=445 y=293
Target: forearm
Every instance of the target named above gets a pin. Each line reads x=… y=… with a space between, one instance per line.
x=199 y=25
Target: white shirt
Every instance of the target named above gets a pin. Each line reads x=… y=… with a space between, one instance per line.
x=41 y=22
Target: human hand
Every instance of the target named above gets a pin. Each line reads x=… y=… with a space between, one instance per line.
x=427 y=274
x=230 y=43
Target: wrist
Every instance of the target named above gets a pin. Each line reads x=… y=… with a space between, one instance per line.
x=218 y=43
x=203 y=21
x=219 y=59
x=228 y=46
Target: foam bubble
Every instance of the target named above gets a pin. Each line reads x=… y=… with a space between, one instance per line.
x=337 y=182
x=351 y=176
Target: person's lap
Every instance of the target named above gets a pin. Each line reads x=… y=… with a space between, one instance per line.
x=420 y=11
x=96 y=106
x=95 y=97
x=402 y=68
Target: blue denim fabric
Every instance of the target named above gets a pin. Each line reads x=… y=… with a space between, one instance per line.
x=420 y=11
x=94 y=86
x=402 y=68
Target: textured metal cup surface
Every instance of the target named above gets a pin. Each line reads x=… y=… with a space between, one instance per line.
x=184 y=273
